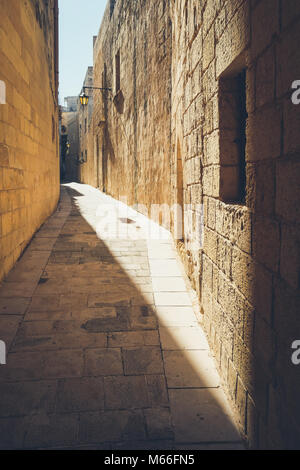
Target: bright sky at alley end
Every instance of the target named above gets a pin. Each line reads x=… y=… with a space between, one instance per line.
x=79 y=20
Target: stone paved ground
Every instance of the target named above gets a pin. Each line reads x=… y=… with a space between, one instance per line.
x=104 y=350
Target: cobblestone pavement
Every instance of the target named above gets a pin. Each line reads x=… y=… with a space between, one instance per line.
x=103 y=347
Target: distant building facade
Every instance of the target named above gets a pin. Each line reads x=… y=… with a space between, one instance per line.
x=70 y=146
x=71 y=104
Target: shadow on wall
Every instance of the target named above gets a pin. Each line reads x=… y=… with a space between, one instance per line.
x=273 y=274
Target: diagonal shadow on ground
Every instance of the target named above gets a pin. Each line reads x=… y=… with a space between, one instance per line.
x=95 y=361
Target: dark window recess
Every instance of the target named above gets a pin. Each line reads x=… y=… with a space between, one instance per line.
x=233 y=119
x=85 y=159
x=64 y=141
x=112 y=6
x=97 y=146
x=85 y=125
x=118 y=70
x=53 y=129
x=195 y=18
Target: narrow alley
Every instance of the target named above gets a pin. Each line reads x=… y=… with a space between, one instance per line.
x=104 y=349
x=150 y=225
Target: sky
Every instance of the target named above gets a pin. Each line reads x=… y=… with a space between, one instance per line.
x=79 y=20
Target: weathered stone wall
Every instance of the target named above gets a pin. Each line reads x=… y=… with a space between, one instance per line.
x=87 y=156
x=249 y=265
x=29 y=160
x=132 y=122
x=201 y=113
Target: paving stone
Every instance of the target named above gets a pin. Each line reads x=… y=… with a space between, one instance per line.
x=144 y=445
x=33 y=258
x=176 y=316
x=67 y=326
x=126 y=392
x=42 y=365
x=18 y=289
x=73 y=301
x=182 y=338
x=14 y=305
x=112 y=426
x=8 y=328
x=159 y=424
x=45 y=303
x=20 y=366
x=12 y=432
x=147 y=360
x=165 y=268
x=76 y=314
x=50 y=286
x=202 y=415
x=104 y=446
x=143 y=318
x=100 y=362
x=110 y=296
x=62 y=363
x=40 y=328
x=80 y=394
x=190 y=369
x=179 y=299
x=133 y=338
x=48 y=232
x=168 y=284
x=211 y=446
x=98 y=325
x=26 y=398
x=145 y=288
x=30 y=270
x=157 y=390
x=162 y=251
x=42 y=244
x=49 y=431
x=145 y=299
x=57 y=341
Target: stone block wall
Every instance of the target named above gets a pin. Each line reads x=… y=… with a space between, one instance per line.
x=88 y=165
x=247 y=272
x=29 y=159
x=132 y=56
x=200 y=114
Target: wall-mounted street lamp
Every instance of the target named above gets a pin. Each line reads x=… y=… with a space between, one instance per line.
x=84 y=99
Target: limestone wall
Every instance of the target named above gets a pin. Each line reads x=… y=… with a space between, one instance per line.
x=88 y=166
x=200 y=113
x=248 y=270
x=29 y=160
x=132 y=122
